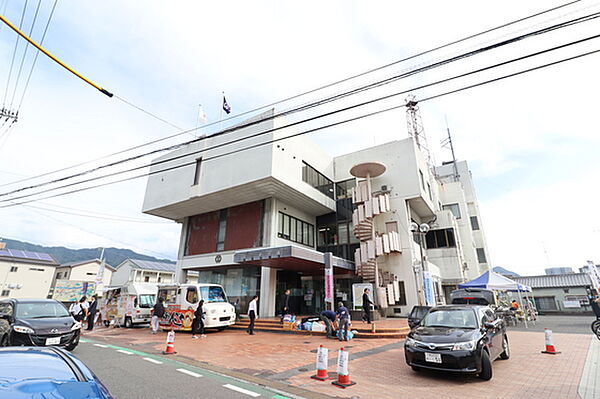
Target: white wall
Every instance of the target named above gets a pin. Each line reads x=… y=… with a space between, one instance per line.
x=123 y=274
x=35 y=280
x=88 y=272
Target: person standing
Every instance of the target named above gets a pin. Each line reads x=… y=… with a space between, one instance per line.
x=343 y=315
x=252 y=314
x=92 y=309
x=85 y=306
x=285 y=304
x=198 y=324
x=366 y=303
x=158 y=311
x=76 y=311
x=328 y=317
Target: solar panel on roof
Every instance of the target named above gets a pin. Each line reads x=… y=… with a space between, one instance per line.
x=18 y=254
x=45 y=257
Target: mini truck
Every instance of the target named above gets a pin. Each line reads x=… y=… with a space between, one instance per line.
x=128 y=304
x=181 y=301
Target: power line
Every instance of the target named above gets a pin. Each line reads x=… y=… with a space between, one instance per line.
x=117 y=219
x=312 y=130
x=265 y=131
x=337 y=97
x=304 y=93
x=12 y=62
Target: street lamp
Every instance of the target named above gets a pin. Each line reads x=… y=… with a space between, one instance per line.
x=421 y=230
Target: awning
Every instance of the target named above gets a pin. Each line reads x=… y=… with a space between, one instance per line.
x=494 y=281
x=291 y=257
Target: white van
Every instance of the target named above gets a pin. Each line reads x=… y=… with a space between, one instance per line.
x=181 y=300
x=128 y=304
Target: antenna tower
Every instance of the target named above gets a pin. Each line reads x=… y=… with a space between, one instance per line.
x=415 y=127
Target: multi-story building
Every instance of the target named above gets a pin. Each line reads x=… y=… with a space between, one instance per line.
x=86 y=271
x=142 y=271
x=258 y=212
x=25 y=274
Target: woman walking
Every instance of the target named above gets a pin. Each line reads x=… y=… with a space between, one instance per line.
x=198 y=324
x=252 y=314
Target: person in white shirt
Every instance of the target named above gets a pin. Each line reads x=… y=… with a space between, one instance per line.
x=252 y=313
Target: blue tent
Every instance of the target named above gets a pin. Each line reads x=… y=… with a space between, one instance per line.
x=494 y=281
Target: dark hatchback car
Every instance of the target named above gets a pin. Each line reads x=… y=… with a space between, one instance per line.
x=49 y=372
x=37 y=322
x=457 y=338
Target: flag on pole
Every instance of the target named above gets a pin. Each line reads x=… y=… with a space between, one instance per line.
x=201 y=114
x=226 y=106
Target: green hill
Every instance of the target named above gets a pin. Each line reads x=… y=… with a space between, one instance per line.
x=113 y=256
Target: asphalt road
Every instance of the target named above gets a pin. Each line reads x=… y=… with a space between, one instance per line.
x=559 y=324
x=130 y=374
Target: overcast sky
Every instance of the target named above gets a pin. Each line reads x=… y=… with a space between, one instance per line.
x=531 y=141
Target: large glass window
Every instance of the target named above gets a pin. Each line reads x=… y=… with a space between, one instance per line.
x=474 y=223
x=222 y=230
x=214 y=293
x=442 y=238
x=481 y=255
x=454 y=208
x=146 y=300
x=296 y=230
x=318 y=180
x=343 y=189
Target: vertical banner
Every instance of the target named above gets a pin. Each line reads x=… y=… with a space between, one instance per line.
x=328 y=257
x=100 y=277
x=594 y=275
x=428 y=289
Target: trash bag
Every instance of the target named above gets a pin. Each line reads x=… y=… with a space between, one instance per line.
x=350 y=334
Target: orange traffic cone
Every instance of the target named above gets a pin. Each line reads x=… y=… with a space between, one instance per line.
x=549 y=343
x=343 y=380
x=322 y=374
x=170 y=344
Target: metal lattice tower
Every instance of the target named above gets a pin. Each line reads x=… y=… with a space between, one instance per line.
x=415 y=127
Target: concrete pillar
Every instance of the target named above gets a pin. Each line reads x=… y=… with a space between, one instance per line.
x=181 y=275
x=268 y=292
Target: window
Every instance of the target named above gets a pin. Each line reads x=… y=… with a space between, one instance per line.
x=214 y=293
x=222 y=229
x=36 y=269
x=481 y=255
x=442 y=238
x=6 y=308
x=391 y=226
x=343 y=189
x=14 y=269
x=159 y=279
x=402 y=293
x=58 y=275
x=317 y=180
x=454 y=208
x=191 y=295
x=343 y=233
x=474 y=223
x=197 y=171
x=146 y=301
x=146 y=279
x=422 y=179
x=5 y=293
x=429 y=191
x=90 y=274
x=296 y=230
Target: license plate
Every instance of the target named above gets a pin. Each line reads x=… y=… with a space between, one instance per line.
x=433 y=357
x=53 y=341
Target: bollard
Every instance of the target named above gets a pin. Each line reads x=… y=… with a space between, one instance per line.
x=322 y=356
x=170 y=344
x=550 y=349
x=343 y=380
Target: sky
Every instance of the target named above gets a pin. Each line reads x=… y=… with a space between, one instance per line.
x=531 y=141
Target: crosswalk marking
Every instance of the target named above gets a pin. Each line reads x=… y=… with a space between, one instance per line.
x=242 y=390
x=101 y=346
x=149 y=359
x=188 y=372
x=125 y=352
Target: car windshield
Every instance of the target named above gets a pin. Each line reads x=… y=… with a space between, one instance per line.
x=40 y=310
x=214 y=293
x=146 y=300
x=452 y=318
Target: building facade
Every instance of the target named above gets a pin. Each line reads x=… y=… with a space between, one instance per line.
x=86 y=271
x=258 y=213
x=25 y=274
x=142 y=271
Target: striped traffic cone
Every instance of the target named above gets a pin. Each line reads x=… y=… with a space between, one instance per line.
x=170 y=344
x=322 y=374
x=343 y=380
x=550 y=349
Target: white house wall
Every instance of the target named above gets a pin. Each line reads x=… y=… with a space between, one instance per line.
x=35 y=280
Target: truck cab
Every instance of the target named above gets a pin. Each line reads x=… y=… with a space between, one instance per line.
x=181 y=301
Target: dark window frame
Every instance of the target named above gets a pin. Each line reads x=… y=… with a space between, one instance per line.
x=317 y=180
x=475 y=223
x=5 y=293
x=309 y=241
x=440 y=238
x=448 y=207
x=14 y=269
x=197 y=170
x=222 y=229
x=481 y=255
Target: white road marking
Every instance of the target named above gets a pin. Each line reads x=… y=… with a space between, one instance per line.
x=149 y=359
x=101 y=346
x=188 y=372
x=125 y=352
x=242 y=390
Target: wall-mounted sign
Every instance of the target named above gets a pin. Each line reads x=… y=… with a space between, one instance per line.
x=218 y=259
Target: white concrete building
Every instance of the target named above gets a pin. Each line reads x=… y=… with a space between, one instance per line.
x=142 y=271
x=25 y=274
x=259 y=220
x=86 y=270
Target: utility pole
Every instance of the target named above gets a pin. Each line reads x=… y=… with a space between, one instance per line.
x=448 y=142
x=415 y=128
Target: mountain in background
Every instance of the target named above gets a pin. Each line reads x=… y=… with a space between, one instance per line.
x=504 y=272
x=113 y=256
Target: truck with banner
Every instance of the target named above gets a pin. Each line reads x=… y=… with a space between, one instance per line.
x=128 y=304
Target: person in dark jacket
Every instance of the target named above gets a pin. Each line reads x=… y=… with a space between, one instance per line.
x=285 y=303
x=343 y=315
x=328 y=317
x=198 y=323
x=92 y=309
x=158 y=311
x=366 y=303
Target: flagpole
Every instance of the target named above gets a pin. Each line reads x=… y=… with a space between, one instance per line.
x=198 y=120
x=221 y=113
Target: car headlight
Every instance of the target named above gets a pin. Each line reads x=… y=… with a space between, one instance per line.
x=464 y=346
x=76 y=326
x=23 y=330
x=410 y=342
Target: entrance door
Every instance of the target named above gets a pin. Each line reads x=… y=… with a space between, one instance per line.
x=289 y=280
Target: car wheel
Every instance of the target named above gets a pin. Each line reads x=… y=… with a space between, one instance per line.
x=416 y=369
x=486 y=366
x=72 y=345
x=106 y=323
x=128 y=322
x=4 y=341
x=506 y=350
x=596 y=326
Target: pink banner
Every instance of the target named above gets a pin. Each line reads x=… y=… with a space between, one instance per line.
x=329 y=284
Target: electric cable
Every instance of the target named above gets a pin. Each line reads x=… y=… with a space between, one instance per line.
x=37 y=9
x=269 y=130
x=549 y=10
x=586 y=18
x=117 y=219
x=367 y=115
x=12 y=62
